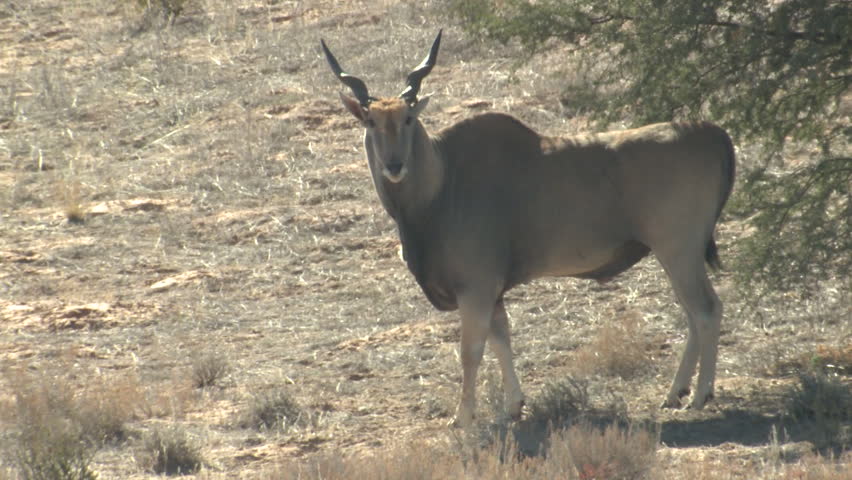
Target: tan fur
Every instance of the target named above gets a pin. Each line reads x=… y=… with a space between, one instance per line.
x=388 y=114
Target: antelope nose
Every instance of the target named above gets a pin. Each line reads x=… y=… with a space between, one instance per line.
x=394 y=167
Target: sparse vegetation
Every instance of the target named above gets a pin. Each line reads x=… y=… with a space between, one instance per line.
x=68 y=194
x=169 y=9
x=212 y=159
x=561 y=402
x=171 y=451
x=273 y=409
x=619 y=348
x=611 y=453
x=51 y=442
x=208 y=369
x=824 y=403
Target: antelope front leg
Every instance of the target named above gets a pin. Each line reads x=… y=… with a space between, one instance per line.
x=476 y=316
x=501 y=344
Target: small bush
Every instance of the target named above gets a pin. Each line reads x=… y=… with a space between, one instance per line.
x=70 y=199
x=170 y=451
x=832 y=359
x=273 y=409
x=50 y=441
x=611 y=453
x=208 y=369
x=560 y=402
x=53 y=449
x=827 y=359
x=826 y=402
x=106 y=407
x=168 y=8
x=619 y=349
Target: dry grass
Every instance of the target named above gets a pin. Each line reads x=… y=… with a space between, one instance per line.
x=829 y=359
x=582 y=452
x=209 y=368
x=822 y=403
x=273 y=409
x=57 y=428
x=171 y=451
x=612 y=453
x=809 y=467
x=227 y=204
x=621 y=348
x=68 y=196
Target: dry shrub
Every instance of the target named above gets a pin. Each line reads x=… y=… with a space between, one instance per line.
x=169 y=400
x=829 y=359
x=273 y=410
x=107 y=406
x=70 y=199
x=559 y=402
x=581 y=453
x=619 y=348
x=834 y=358
x=815 y=467
x=809 y=467
x=824 y=402
x=208 y=369
x=166 y=8
x=415 y=462
x=171 y=451
x=51 y=448
x=611 y=453
x=50 y=441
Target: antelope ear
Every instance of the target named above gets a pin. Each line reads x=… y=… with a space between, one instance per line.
x=420 y=105
x=354 y=107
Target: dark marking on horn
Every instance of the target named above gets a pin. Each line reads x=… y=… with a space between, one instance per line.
x=420 y=72
x=358 y=87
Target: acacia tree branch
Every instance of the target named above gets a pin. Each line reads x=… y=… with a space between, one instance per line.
x=821 y=38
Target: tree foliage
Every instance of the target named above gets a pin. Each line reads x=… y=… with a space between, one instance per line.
x=774 y=73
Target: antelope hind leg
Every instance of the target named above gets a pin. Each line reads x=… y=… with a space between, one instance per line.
x=704 y=314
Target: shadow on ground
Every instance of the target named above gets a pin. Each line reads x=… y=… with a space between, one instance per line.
x=742 y=427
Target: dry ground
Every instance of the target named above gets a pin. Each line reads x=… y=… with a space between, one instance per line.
x=224 y=216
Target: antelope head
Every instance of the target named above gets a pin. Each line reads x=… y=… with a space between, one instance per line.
x=391 y=123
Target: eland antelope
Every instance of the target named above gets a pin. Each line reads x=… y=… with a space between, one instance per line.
x=487 y=204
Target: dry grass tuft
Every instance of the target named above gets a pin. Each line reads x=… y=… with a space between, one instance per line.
x=171 y=451
x=69 y=197
x=413 y=462
x=208 y=369
x=619 y=349
x=171 y=399
x=560 y=402
x=582 y=452
x=824 y=402
x=273 y=410
x=106 y=408
x=828 y=359
x=611 y=453
x=809 y=467
x=51 y=440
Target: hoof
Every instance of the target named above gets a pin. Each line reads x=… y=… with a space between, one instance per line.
x=516 y=414
x=461 y=421
x=674 y=401
x=699 y=403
